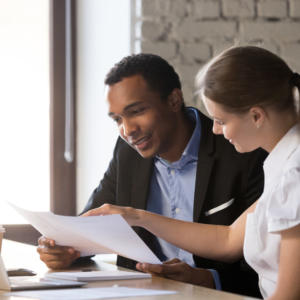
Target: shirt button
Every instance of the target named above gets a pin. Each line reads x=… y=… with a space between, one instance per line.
x=172 y=172
x=177 y=210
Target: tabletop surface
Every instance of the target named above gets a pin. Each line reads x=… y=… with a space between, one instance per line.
x=17 y=255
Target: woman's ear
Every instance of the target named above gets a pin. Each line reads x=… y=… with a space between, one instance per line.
x=258 y=116
x=175 y=100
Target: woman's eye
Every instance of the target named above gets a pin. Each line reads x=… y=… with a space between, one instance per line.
x=219 y=122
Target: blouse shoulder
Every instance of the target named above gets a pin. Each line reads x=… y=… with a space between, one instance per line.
x=283 y=211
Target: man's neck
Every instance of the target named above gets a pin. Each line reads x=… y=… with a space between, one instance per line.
x=183 y=135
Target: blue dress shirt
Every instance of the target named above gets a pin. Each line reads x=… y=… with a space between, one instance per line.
x=172 y=189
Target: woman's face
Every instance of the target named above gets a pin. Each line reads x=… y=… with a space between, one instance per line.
x=239 y=129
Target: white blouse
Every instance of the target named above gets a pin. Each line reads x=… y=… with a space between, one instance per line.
x=277 y=209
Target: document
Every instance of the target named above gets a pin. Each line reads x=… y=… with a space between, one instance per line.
x=91 y=235
x=97 y=275
x=90 y=293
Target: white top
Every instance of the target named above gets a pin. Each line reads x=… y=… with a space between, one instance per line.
x=277 y=209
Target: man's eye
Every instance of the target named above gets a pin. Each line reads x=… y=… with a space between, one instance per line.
x=117 y=120
x=138 y=110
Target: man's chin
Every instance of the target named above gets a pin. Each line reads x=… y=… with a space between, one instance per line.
x=145 y=153
x=149 y=153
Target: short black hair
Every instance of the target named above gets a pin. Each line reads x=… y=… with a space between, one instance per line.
x=157 y=72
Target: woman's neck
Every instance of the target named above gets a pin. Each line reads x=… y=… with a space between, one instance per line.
x=279 y=124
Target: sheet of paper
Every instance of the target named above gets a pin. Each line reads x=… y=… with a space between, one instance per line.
x=91 y=235
x=97 y=275
x=90 y=293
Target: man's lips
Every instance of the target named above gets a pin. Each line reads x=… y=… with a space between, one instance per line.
x=142 y=142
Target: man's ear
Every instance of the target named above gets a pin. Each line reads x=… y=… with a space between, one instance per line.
x=258 y=116
x=175 y=100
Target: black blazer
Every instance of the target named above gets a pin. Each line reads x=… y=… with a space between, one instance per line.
x=222 y=175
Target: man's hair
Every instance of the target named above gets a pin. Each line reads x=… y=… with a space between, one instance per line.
x=157 y=72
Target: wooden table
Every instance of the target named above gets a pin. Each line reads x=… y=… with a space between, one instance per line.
x=17 y=255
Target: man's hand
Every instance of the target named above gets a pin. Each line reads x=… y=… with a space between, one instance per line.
x=54 y=256
x=177 y=270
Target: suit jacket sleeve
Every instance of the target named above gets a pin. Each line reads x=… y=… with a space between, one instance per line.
x=116 y=188
x=104 y=193
x=106 y=190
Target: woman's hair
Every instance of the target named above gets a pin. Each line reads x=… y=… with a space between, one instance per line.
x=242 y=77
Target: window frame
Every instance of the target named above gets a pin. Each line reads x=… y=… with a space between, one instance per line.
x=62 y=172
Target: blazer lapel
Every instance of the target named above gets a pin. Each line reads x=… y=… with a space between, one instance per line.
x=142 y=171
x=204 y=166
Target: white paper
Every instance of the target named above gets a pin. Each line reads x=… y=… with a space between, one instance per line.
x=90 y=293
x=97 y=275
x=91 y=235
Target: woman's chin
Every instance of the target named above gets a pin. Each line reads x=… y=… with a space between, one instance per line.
x=241 y=149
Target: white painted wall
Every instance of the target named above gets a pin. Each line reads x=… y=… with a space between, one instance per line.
x=103 y=39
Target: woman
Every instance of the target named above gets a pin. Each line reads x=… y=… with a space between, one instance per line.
x=253 y=98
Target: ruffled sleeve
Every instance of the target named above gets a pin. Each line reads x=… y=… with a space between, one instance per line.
x=283 y=211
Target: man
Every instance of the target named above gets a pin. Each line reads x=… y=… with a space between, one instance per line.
x=168 y=161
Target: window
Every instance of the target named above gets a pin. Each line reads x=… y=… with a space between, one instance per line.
x=24 y=100
x=33 y=111
x=53 y=116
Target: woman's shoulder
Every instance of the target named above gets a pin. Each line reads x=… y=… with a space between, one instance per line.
x=293 y=161
x=284 y=206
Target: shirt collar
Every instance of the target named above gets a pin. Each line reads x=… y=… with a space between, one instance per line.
x=277 y=158
x=192 y=148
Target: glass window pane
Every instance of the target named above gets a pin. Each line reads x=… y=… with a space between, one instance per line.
x=24 y=106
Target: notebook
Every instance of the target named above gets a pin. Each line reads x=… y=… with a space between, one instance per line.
x=98 y=275
x=21 y=283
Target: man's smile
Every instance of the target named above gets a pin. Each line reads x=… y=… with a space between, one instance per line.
x=141 y=143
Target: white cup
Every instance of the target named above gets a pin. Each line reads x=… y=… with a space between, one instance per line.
x=2 y=230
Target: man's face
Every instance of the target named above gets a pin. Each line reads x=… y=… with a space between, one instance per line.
x=145 y=121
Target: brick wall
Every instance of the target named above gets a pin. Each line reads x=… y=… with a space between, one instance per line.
x=189 y=32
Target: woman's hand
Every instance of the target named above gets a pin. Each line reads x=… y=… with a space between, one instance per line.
x=131 y=215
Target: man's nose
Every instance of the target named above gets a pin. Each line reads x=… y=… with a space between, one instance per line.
x=129 y=128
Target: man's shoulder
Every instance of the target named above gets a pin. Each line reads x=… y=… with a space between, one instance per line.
x=122 y=147
x=123 y=152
